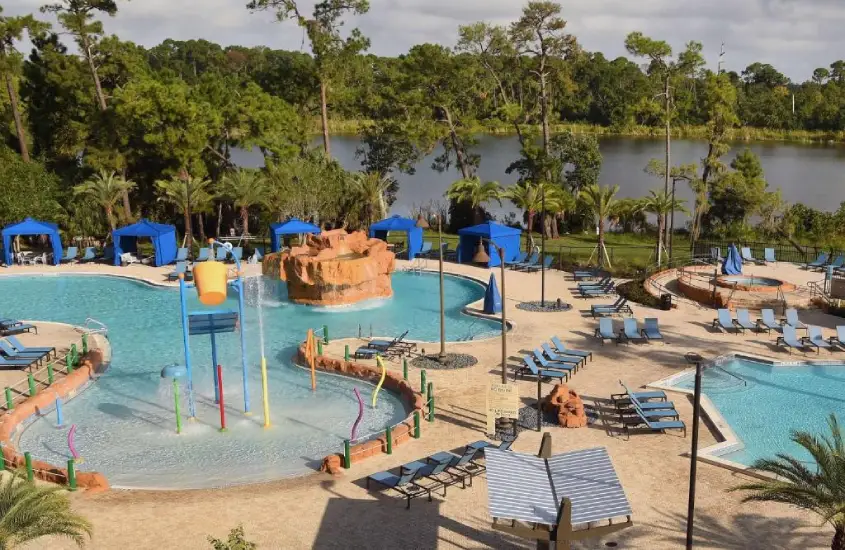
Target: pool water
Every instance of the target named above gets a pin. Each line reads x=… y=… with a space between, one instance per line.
x=752 y=281
x=126 y=422
x=775 y=401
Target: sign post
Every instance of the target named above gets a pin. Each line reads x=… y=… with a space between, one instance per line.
x=502 y=402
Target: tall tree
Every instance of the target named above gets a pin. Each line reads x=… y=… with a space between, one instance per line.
x=11 y=31
x=601 y=202
x=106 y=189
x=819 y=488
x=246 y=188
x=661 y=205
x=667 y=71
x=370 y=189
x=476 y=193
x=189 y=195
x=540 y=32
x=323 y=30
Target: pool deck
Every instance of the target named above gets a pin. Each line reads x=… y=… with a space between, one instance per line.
x=339 y=513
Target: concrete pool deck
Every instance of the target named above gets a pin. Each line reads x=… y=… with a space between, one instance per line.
x=323 y=512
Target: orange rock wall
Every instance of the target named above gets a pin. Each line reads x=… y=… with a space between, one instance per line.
x=64 y=388
x=402 y=433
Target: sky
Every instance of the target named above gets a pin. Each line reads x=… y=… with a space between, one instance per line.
x=796 y=36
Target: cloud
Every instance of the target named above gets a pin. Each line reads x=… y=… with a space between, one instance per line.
x=796 y=36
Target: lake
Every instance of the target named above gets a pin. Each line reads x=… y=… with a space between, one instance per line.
x=811 y=173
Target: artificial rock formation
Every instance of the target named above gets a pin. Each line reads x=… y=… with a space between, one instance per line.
x=567 y=405
x=334 y=268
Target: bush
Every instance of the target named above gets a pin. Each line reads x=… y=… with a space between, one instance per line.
x=28 y=189
x=235 y=541
x=635 y=291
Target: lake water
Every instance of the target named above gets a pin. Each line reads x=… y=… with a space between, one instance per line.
x=811 y=174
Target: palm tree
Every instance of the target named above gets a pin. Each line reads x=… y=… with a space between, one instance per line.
x=525 y=196
x=660 y=204
x=106 y=189
x=559 y=201
x=188 y=194
x=370 y=189
x=600 y=200
x=629 y=214
x=475 y=192
x=821 y=491
x=29 y=511
x=245 y=188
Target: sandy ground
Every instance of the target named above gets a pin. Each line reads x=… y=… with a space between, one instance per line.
x=56 y=335
x=322 y=512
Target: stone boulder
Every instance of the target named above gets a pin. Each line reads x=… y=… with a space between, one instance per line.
x=567 y=405
x=333 y=465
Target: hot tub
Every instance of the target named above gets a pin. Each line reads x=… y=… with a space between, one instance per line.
x=750 y=283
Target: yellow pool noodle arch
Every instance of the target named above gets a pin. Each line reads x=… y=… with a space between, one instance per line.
x=380 y=382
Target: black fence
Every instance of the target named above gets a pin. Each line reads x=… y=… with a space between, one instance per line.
x=784 y=252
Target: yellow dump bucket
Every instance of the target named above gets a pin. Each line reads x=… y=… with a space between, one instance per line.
x=210 y=278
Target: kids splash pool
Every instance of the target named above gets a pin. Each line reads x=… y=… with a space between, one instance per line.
x=125 y=422
x=764 y=401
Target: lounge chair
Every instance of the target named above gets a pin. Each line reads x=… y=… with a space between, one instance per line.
x=581 y=274
x=816 y=338
x=769 y=256
x=547 y=263
x=625 y=400
x=436 y=470
x=222 y=254
x=655 y=425
x=237 y=254
x=792 y=320
x=716 y=255
x=529 y=366
x=10 y=352
x=182 y=255
x=8 y=327
x=743 y=320
x=619 y=307
x=745 y=252
x=127 y=258
x=181 y=269
x=651 y=331
x=596 y=292
x=20 y=347
x=559 y=346
x=839 y=339
x=205 y=254
x=108 y=254
x=602 y=282
x=366 y=353
x=630 y=331
x=16 y=363
x=258 y=253
x=561 y=358
x=385 y=345
x=70 y=255
x=605 y=330
x=569 y=366
x=402 y=484
x=790 y=339
x=819 y=262
x=642 y=396
x=481 y=445
x=90 y=255
x=464 y=465
x=725 y=321
x=767 y=321
x=531 y=261
x=520 y=258
x=425 y=251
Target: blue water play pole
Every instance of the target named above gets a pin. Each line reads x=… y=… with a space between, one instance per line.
x=192 y=410
x=240 y=284
x=59 y=416
x=214 y=362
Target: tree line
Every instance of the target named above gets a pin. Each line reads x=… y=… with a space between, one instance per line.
x=113 y=130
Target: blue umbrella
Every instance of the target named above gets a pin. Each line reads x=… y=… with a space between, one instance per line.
x=733 y=262
x=492 y=298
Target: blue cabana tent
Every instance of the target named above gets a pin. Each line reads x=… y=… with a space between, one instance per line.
x=162 y=235
x=293 y=226
x=32 y=227
x=507 y=238
x=733 y=262
x=379 y=230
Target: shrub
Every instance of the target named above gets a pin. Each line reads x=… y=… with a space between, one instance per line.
x=235 y=541
x=635 y=291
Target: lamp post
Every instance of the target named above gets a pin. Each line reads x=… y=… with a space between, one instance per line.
x=696 y=413
x=501 y=251
x=672 y=223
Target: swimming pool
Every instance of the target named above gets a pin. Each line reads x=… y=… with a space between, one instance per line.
x=765 y=402
x=125 y=422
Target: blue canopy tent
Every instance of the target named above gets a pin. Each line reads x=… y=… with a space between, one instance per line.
x=733 y=262
x=293 y=226
x=162 y=235
x=32 y=227
x=508 y=238
x=379 y=230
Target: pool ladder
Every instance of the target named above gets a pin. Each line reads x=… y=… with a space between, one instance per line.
x=97 y=328
x=417 y=266
x=741 y=379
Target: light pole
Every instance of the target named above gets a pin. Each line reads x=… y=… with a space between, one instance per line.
x=696 y=413
x=501 y=252
x=672 y=223
x=542 y=248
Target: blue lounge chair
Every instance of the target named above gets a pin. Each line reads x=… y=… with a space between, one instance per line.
x=596 y=292
x=237 y=253
x=559 y=346
x=547 y=263
x=14 y=354
x=716 y=255
x=567 y=366
x=725 y=321
x=16 y=363
x=767 y=321
x=769 y=256
x=605 y=330
x=561 y=358
x=182 y=255
x=790 y=339
x=258 y=254
x=222 y=254
x=743 y=320
x=435 y=470
x=20 y=347
x=642 y=396
x=601 y=282
x=205 y=254
x=181 y=269
x=581 y=274
x=16 y=327
x=839 y=339
x=745 y=252
x=837 y=263
x=819 y=262
x=384 y=345
x=657 y=426
x=402 y=484
x=531 y=261
x=530 y=367
x=481 y=445
x=70 y=254
x=619 y=307
x=792 y=320
x=816 y=338
x=90 y=255
x=425 y=250
x=630 y=331
x=366 y=353
x=108 y=254
x=464 y=465
x=652 y=329
x=520 y=258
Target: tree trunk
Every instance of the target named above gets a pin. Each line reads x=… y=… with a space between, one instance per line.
x=668 y=139
x=201 y=221
x=219 y=219
x=457 y=145
x=601 y=250
x=661 y=223
x=13 y=103
x=530 y=224
x=98 y=88
x=555 y=219
x=838 y=539
x=110 y=217
x=189 y=237
x=245 y=219
x=544 y=110
x=324 y=116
